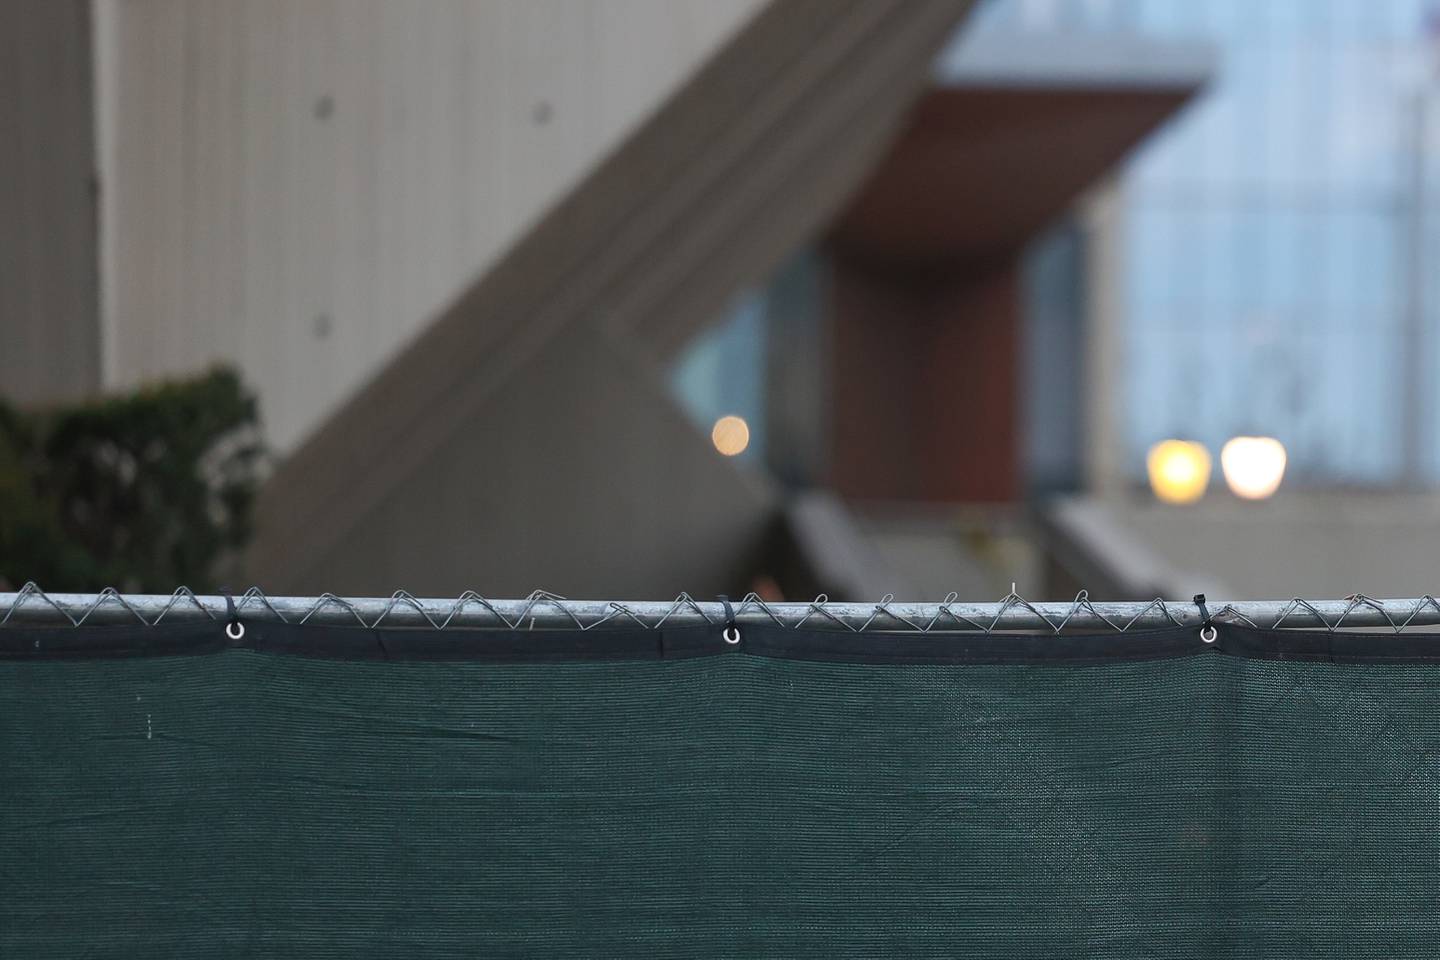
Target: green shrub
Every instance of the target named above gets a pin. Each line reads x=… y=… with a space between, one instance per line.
x=143 y=492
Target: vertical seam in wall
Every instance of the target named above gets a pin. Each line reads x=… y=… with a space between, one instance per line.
x=103 y=80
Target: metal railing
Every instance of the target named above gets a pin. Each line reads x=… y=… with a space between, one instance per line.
x=31 y=606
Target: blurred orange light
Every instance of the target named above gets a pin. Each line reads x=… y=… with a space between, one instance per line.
x=731 y=435
x=1179 y=470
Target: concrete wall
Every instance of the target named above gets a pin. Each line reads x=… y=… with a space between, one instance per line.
x=434 y=475
x=1303 y=543
x=300 y=186
x=582 y=477
x=49 y=348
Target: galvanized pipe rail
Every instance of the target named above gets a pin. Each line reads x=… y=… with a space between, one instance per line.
x=31 y=606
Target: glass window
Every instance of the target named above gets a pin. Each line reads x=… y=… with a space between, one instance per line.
x=1271 y=228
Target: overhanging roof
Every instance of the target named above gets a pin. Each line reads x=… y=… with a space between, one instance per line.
x=1014 y=131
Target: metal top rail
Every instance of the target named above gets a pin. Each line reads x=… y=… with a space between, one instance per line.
x=32 y=606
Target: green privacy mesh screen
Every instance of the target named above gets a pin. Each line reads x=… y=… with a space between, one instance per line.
x=347 y=793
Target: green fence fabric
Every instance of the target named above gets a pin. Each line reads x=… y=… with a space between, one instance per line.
x=677 y=797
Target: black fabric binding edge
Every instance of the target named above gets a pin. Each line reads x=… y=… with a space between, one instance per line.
x=762 y=640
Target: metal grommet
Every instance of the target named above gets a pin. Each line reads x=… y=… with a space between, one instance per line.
x=1207 y=633
x=731 y=634
x=235 y=630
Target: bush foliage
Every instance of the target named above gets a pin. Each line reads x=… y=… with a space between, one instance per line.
x=143 y=492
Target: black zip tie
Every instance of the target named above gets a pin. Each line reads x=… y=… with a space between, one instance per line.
x=731 y=633
x=1208 y=632
x=1204 y=611
x=234 y=629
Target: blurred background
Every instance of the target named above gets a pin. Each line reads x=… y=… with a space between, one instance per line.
x=621 y=298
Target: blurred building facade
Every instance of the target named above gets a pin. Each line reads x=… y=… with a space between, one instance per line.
x=926 y=361
x=1280 y=230
x=451 y=245
x=497 y=268
x=1260 y=265
x=1271 y=275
